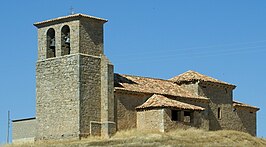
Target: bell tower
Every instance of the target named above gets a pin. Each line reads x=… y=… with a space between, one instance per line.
x=74 y=80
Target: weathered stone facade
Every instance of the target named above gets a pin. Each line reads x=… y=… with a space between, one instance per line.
x=126 y=103
x=78 y=94
x=75 y=90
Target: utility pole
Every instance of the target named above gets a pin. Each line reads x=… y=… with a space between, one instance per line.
x=8 y=126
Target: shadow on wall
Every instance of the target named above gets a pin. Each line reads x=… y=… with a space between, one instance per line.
x=214 y=123
x=92 y=29
x=248 y=120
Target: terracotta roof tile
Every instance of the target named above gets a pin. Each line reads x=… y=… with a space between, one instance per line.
x=240 y=104
x=160 y=101
x=195 y=76
x=151 y=85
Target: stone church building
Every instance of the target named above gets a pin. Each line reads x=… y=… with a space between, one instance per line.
x=78 y=94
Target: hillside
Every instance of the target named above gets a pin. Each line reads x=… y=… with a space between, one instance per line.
x=190 y=137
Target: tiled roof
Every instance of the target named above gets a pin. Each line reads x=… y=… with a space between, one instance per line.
x=160 y=101
x=69 y=16
x=152 y=86
x=190 y=76
x=240 y=104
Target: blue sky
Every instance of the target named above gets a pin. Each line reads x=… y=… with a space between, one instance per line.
x=154 y=38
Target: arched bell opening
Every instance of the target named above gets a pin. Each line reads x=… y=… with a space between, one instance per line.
x=50 y=52
x=65 y=40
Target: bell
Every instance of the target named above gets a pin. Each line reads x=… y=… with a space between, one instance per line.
x=52 y=43
x=67 y=38
x=67 y=41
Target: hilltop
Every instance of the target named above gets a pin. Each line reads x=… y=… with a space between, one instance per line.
x=180 y=137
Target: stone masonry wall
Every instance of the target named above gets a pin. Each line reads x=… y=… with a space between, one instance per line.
x=248 y=120
x=23 y=131
x=126 y=114
x=74 y=38
x=90 y=93
x=91 y=37
x=243 y=120
x=107 y=98
x=222 y=97
x=151 y=120
x=198 y=121
x=201 y=118
x=57 y=98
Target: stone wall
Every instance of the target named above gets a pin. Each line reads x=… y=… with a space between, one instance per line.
x=192 y=87
x=197 y=121
x=249 y=121
x=126 y=114
x=57 y=98
x=90 y=92
x=77 y=89
x=151 y=120
x=243 y=120
x=201 y=117
x=74 y=38
x=107 y=98
x=70 y=94
x=221 y=96
x=23 y=130
x=91 y=37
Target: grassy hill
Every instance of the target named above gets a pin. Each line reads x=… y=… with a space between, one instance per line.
x=189 y=137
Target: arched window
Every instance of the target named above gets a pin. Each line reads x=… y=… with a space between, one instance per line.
x=50 y=52
x=65 y=40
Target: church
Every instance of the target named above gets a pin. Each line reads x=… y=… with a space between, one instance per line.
x=78 y=94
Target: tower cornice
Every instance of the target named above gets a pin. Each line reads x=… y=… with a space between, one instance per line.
x=67 y=18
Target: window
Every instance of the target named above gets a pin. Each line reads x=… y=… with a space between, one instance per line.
x=65 y=40
x=50 y=52
x=187 y=116
x=174 y=115
x=219 y=113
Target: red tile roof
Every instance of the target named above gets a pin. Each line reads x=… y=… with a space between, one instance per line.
x=191 y=76
x=160 y=101
x=152 y=86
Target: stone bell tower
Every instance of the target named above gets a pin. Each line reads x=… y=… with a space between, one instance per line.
x=74 y=80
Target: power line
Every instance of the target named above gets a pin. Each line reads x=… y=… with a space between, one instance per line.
x=205 y=53
x=188 y=49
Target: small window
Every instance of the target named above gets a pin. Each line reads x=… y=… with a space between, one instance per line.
x=219 y=113
x=50 y=52
x=174 y=115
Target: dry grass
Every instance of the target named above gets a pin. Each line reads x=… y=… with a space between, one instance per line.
x=180 y=137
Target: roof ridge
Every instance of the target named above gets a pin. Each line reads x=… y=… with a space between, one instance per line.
x=146 y=77
x=191 y=75
x=158 y=100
